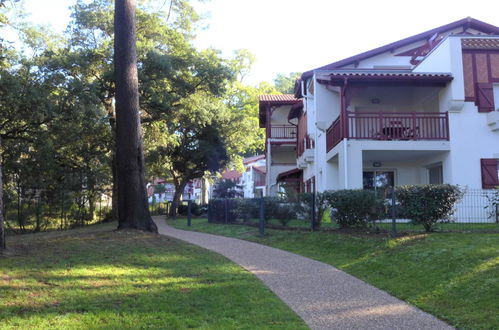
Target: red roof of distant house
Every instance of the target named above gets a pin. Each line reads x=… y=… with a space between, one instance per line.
x=465 y=23
x=231 y=175
x=252 y=159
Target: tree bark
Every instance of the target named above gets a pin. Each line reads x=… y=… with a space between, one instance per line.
x=132 y=196
x=179 y=190
x=2 y=225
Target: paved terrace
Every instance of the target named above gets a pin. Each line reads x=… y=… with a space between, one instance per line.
x=323 y=296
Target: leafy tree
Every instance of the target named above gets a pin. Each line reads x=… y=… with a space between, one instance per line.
x=286 y=83
x=170 y=69
x=22 y=89
x=226 y=189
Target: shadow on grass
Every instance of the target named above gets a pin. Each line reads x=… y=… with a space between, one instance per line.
x=130 y=279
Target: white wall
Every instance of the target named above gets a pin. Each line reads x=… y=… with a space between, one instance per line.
x=280 y=115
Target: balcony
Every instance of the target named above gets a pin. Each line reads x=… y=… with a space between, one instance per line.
x=287 y=132
x=305 y=143
x=410 y=126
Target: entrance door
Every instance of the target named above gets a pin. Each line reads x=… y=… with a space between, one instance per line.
x=378 y=180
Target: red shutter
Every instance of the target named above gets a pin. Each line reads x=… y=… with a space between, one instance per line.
x=484 y=97
x=490 y=178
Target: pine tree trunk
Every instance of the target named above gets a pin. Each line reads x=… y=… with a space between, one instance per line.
x=132 y=196
x=2 y=225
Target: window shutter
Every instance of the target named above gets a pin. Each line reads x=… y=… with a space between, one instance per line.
x=484 y=97
x=490 y=178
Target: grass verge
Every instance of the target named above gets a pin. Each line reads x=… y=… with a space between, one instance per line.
x=452 y=276
x=95 y=278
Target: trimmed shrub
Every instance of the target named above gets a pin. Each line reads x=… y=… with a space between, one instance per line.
x=428 y=204
x=182 y=209
x=247 y=209
x=353 y=208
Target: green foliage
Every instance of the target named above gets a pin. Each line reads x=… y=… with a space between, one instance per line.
x=352 y=208
x=130 y=280
x=427 y=204
x=285 y=84
x=159 y=189
x=452 y=276
x=226 y=189
x=493 y=204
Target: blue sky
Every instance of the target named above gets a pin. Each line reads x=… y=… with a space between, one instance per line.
x=297 y=35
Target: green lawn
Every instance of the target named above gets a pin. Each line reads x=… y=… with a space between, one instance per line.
x=453 y=276
x=97 y=278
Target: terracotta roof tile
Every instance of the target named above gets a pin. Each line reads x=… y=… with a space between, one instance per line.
x=276 y=98
x=231 y=175
x=387 y=74
x=253 y=159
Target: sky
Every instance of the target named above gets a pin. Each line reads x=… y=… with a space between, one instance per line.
x=295 y=35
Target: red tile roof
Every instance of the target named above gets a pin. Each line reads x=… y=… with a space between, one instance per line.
x=253 y=159
x=277 y=98
x=231 y=175
x=336 y=77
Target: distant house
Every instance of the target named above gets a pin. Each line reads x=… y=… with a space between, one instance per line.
x=253 y=179
x=160 y=190
x=251 y=183
x=424 y=109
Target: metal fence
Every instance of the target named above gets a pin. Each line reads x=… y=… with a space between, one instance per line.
x=477 y=211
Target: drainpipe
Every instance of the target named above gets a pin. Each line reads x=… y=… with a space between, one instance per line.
x=345 y=161
x=344 y=128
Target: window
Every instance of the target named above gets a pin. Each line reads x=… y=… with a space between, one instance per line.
x=378 y=180
x=435 y=175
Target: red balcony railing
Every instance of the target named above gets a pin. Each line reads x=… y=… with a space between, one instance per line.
x=283 y=132
x=305 y=143
x=390 y=126
x=333 y=134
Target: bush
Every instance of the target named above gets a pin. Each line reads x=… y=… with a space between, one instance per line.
x=427 y=204
x=247 y=209
x=353 y=208
x=284 y=213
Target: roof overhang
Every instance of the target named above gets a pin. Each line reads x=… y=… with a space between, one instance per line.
x=295 y=173
x=342 y=77
x=270 y=100
x=464 y=23
x=296 y=110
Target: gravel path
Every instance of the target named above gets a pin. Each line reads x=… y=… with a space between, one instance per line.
x=323 y=296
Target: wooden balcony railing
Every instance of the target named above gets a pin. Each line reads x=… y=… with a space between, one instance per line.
x=282 y=132
x=413 y=126
x=305 y=143
x=333 y=134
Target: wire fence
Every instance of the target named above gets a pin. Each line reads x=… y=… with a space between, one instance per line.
x=476 y=211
